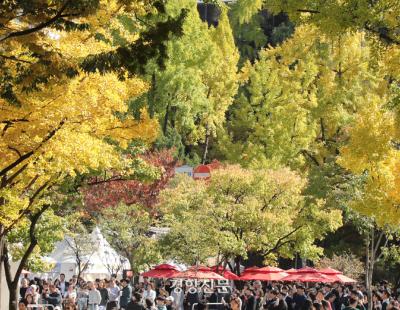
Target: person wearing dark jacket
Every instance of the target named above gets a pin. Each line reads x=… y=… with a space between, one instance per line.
x=273 y=300
x=250 y=300
x=287 y=298
x=104 y=295
x=282 y=301
x=299 y=298
x=386 y=299
x=135 y=303
x=126 y=294
x=53 y=297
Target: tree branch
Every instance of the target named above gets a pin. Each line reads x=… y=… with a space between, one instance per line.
x=26 y=210
x=281 y=241
x=39 y=26
x=311 y=157
x=15 y=59
x=30 y=153
x=267 y=203
x=308 y=11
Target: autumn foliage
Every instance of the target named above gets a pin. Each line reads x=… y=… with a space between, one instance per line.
x=100 y=193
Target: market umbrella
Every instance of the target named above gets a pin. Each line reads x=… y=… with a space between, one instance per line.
x=227 y=274
x=291 y=271
x=336 y=275
x=307 y=274
x=199 y=272
x=263 y=274
x=162 y=271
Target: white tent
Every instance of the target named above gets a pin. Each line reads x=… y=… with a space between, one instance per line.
x=97 y=254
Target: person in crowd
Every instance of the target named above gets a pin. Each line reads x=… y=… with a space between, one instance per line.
x=149 y=304
x=282 y=301
x=331 y=297
x=192 y=297
x=23 y=288
x=214 y=298
x=94 y=297
x=70 y=297
x=326 y=305
x=135 y=302
x=235 y=303
x=126 y=294
x=386 y=299
x=169 y=303
x=299 y=298
x=29 y=301
x=160 y=303
x=353 y=303
x=272 y=302
x=82 y=297
x=307 y=305
x=61 y=284
x=21 y=305
x=249 y=300
x=287 y=297
x=104 y=295
x=179 y=297
x=149 y=292
x=113 y=295
x=52 y=296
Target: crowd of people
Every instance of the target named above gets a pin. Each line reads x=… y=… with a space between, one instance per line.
x=111 y=294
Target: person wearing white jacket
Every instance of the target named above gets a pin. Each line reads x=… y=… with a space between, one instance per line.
x=149 y=293
x=94 y=297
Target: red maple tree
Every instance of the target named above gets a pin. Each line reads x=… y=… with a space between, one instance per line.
x=104 y=193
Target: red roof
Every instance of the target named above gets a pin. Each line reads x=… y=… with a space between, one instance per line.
x=202 y=169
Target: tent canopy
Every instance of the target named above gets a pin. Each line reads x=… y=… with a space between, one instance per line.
x=102 y=260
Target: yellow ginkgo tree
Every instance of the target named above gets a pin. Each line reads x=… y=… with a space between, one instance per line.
x=371 y=153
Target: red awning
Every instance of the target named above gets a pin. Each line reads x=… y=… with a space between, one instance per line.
x=162 y=271
x=336 y=275
x=263 y=274
x=199 y=272
x=291 y=271
x=227 y=274
x=307 y=274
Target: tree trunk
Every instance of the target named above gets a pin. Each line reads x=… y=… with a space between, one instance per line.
x=12 y=283
x=165 y=125
x=369 y=265
x=13 y=302
x=206 y=148
x=238 y=260
x=2 y=242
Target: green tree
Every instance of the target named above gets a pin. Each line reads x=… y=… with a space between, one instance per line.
x=127 y=228
x=241 y=210
x=193 y=91
x=379 y=17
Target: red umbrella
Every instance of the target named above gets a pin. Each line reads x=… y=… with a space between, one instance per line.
x=307 y=274
x=291 y=271
x=263 y=274
x=199 y=272
x=162 y=271
x=336 y=275
x=270 y=269
x=227 y=274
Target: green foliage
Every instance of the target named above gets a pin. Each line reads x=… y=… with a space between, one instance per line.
x=196 y=86
x=296 y=100
x=241 y=210
x=49 y=229
x=127 y=229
